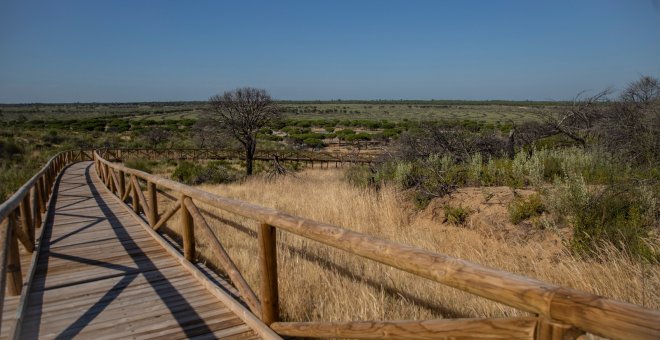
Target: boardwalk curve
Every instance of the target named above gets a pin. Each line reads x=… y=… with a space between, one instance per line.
x=101 y=275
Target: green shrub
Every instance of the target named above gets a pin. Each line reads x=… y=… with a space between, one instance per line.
x=10 y=149
x=456 y=215
x=313 y=142
x=360 y=175
x=521 y=208
x=187 y=172
x=213 y=172
x=621 y=213
x=140 y=164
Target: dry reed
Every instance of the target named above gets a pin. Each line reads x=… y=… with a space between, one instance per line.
x=320 y=283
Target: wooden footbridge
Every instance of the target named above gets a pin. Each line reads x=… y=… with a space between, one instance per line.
x=78 y=261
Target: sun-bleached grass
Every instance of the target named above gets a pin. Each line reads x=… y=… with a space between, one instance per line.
x=321 y=283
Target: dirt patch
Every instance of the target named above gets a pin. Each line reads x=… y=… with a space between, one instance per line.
x=489 y=215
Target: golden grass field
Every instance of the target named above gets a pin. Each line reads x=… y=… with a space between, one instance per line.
x=320 y=283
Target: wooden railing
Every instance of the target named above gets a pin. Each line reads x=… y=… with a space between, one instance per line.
x=560 y=313
x=307 y=157
x=22 y=214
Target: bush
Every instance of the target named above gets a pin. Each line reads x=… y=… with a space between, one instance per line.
x=360 y=175
x=521 y=208
x=9 y=149
x=456 y=215
x=621 y=213
x=213 y=172
x=313 y=142
x=140 y=164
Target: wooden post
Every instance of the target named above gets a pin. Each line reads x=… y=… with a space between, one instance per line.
x=551 y=330
x=270 y=306
x=26 y=222
x=106 y=176
x=5 y=238
x=48 y=180
x=14 y=276
x=153 y=203
x=188 y=232
x=135 y=199
x=40 y=193
x=122 y=184
x=36 y=212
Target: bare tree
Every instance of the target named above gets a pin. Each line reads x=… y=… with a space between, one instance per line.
x=207 y=134
x=630 y=129
x=577 y=122
x=642 y=92
x=460 y=144
x=241 y=113
x=156 y=135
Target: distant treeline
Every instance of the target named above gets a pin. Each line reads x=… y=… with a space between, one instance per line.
x=109 y=124
x=308 y=102
x=431 y=102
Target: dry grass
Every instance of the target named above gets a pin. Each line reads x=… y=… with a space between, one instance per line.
x=320 y=283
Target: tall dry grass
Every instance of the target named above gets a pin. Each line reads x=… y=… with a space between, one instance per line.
x=321 y=283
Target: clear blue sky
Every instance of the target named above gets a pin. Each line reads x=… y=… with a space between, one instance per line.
x=134 y=50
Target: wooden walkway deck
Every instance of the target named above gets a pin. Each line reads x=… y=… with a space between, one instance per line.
x=101 y=275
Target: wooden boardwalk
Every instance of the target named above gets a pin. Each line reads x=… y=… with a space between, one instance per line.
x=99 y=270
x=101 y=275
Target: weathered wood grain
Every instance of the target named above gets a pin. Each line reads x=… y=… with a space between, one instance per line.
x=505 y=328
x=270 y=305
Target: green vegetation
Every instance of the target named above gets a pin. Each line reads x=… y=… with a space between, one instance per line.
x=524 y=208
x=456 y=215
x=212 y=172
x=141 y=164
x=434 y=147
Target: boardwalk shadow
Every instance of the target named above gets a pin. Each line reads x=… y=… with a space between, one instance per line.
x=188 y=319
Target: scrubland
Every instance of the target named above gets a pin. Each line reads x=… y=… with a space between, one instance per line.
x=321 y=283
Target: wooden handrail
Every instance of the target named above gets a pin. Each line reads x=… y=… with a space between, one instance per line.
x=227 y=264
x=553 y=304
x=501 y=328
x=21 y=214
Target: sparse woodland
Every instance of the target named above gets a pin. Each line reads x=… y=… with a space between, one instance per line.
x=566 y=193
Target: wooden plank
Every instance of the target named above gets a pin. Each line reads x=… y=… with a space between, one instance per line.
x=115 y=313
x=250 y=319
x=505 y=328
x=71 y=293
x=78 y=264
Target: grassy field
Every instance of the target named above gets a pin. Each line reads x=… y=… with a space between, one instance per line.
x=371 y=110
x=320 y=283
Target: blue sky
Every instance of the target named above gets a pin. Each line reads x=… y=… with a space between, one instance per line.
x=68 y=51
